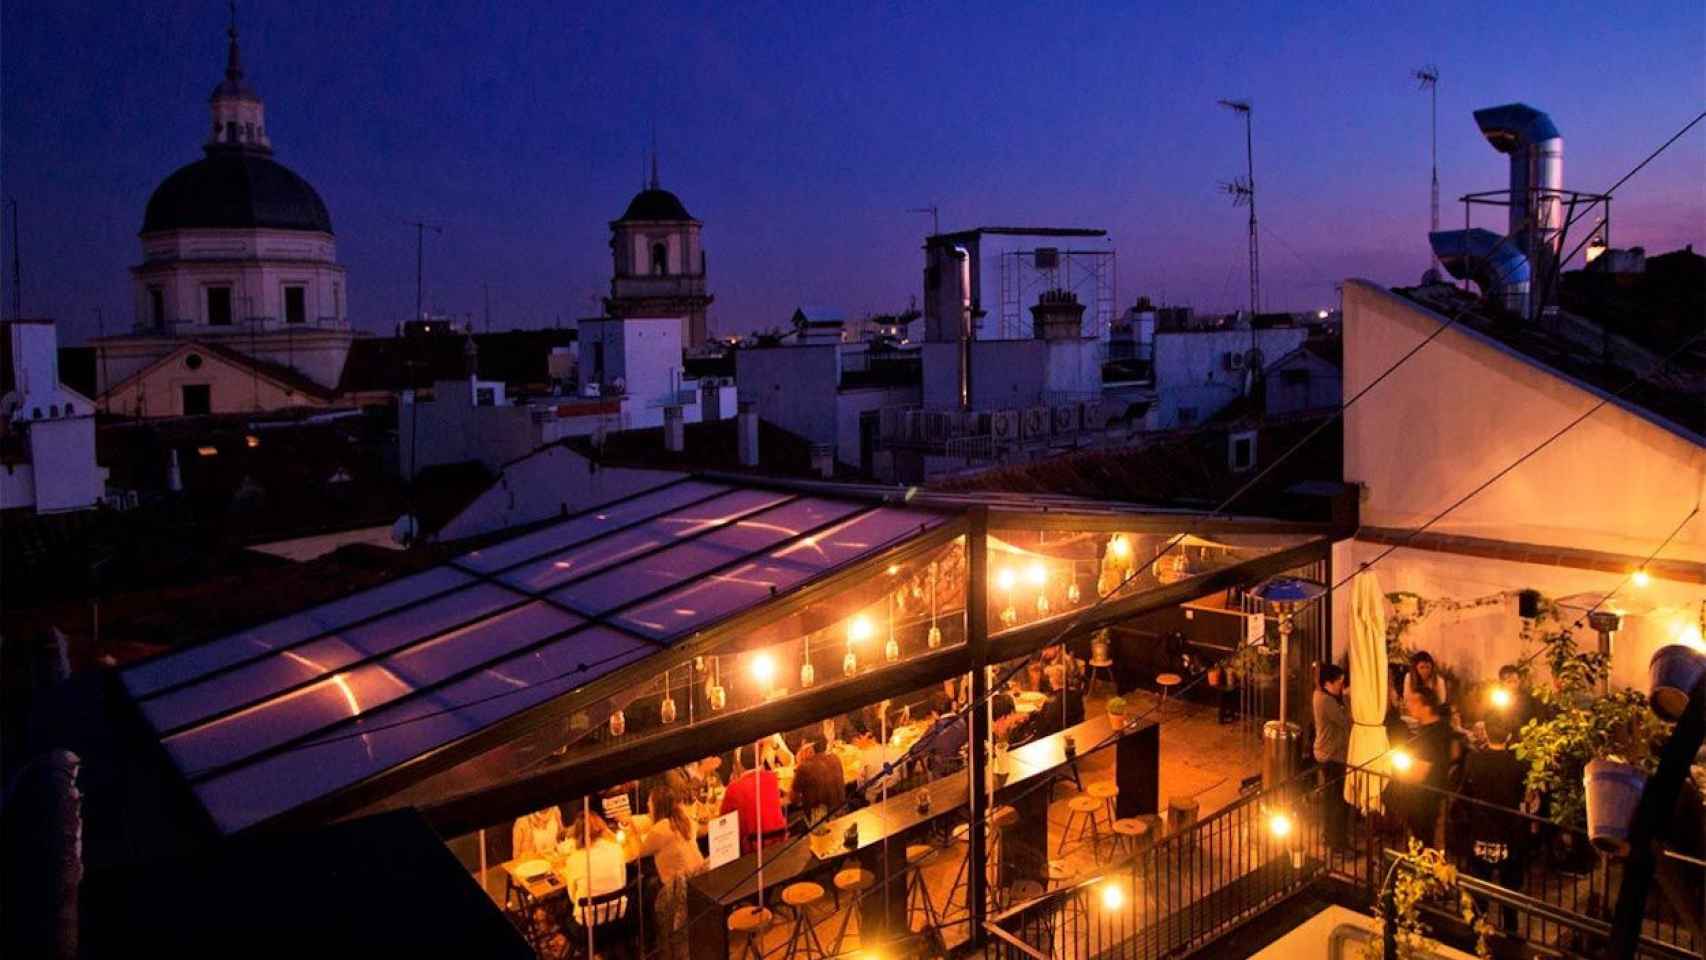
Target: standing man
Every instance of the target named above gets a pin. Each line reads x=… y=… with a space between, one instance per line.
x=1332 y=744
x=1497 y=779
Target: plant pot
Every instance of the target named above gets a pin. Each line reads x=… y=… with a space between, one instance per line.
x=1613 y=790
x=1214 y=676
x=1673 y=672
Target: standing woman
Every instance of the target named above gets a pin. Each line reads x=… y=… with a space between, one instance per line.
x=672 y=843
x=1332 y=746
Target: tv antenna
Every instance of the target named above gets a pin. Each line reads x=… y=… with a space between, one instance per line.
x=1427 y=78
x=421 y=227
x=935 y=218
x=1243 y=193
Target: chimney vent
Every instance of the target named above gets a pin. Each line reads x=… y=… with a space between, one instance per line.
x=823 y=460
x=747 y=428
x=674 y=429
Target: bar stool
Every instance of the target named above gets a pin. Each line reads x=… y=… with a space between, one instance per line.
x=1105 y=791
x=956 y=899
x=854 y=881
x=1105 y=667
x=803 y=941
x=1132 y=835
x=917 y=891
x=1181 y=813
x=1167 y=681
x=1000 y=819
x=1085 y=812
x=749 y=923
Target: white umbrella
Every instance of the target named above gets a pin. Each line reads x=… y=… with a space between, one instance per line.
x=1368 y=691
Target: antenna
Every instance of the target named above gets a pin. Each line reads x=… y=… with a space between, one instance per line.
x=1243 y=192
x=486 y=288
x=17 y=271
x=1427 y=78
x=421 y=227
x=935 y=218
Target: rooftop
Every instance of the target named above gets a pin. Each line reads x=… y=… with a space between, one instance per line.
x=518 y=357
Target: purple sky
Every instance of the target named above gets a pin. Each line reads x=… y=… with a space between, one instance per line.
x=801 y=135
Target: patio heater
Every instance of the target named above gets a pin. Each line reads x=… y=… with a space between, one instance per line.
x=1283 y=597
x=1605 y=623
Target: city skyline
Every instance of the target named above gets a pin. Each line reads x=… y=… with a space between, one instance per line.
x=804 y=145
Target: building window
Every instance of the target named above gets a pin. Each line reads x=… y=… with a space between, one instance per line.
x=660 y=259
x=337 y=301
x=157 y=307
x=193 y=361
x=295 y=305
x=1241 y=451
x=230 y=131
x=219 y=306
x=198 y=399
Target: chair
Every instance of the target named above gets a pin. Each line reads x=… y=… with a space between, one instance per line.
x=1103 y=666
x=803 y=940
x=612 y=916
x=917 y=891
x=854 y=881
x=1084 y=812
x=1132 y=835
x=1105 y=791
x=1167 y=681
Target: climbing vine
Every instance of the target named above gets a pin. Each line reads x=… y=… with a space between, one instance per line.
x=1423 y=874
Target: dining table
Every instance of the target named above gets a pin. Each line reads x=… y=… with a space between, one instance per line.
x=712 y=894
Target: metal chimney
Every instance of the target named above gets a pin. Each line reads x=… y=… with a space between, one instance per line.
x=674 y=429
x=746 y=429
x=962 y=258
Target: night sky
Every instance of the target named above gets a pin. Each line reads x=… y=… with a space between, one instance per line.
x=800 y=136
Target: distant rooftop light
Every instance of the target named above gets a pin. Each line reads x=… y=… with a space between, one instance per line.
x=208 y=451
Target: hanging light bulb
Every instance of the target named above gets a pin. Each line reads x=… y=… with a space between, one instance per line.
x=891 y=650
x=808 y=676
x=666 y=709
x=859 y=628
x=1042 y=604
x=934 y=638
x=1004 y=579
x=1009 y=616
x=1037 y=574
x=618 y=723
x=719 y=697
x=1073 y=595
x=1119 y=547
x=850 y=663
x=715 y=693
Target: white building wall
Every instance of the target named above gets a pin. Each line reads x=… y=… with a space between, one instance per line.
x=853 y=402
x=645 y=353
x=1464 y=407
x=62 y=453
x=17 y=485
x=795 y=388
x=452 y=429
x=549 y=483
x=1190 y=369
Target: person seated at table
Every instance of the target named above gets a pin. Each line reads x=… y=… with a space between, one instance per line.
x=595 y=867
x=756 y=795
x=820 y=786
x=873 y=756
x=945 y=738
x=1074 y=667
x=672 y=842
x=538 y=833
x=776 y=755
x=1425 y=673
x=1062 y=688
x=696 y=779
x=1004 y=718
x=1031 y=679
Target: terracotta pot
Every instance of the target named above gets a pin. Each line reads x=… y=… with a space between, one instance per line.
x=1673 y=673
x=1613 y=790
x=1214 y=675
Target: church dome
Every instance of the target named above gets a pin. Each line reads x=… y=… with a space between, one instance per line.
x=656 y=204
x=236 y=188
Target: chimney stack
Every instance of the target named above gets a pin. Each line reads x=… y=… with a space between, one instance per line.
x=1058 y=316
x=674 y=429
x=748 y=429
x=823 y=460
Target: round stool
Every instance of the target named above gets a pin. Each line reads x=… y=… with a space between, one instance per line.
x=750 y=923
x=803 y=941
x=1085 y=813
x=1105 y=791
x=957 y=892
x=1132 y=834
x=1167 y=681
x=1103 y=666
x=1024 y=890
x=854 y=881
x=917 y=892
x=1181 y=813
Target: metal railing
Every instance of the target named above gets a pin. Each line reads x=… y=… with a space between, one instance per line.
x=1202 y=882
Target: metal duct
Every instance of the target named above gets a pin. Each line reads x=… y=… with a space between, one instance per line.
x=1500 y=269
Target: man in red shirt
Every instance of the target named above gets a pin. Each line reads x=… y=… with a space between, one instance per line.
x=758 y=798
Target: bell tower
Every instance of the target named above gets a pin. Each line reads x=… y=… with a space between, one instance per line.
x=658 y=266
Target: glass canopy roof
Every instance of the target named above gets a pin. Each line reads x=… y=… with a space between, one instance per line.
x=279 y=715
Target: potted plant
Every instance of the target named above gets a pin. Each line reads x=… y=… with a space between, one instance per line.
x=1589 y=752
x=1216 y=673
x=1116 y=710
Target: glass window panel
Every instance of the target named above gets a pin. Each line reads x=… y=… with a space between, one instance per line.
x=361 y=690
x=404 y=731
x=873 y=531
x=584 y=528
x=145 y=678
x=683 y=561
x=265 y=677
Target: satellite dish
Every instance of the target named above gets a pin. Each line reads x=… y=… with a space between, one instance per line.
x=405 y=530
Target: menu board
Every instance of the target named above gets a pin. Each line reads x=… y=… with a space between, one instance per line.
x=1255 y=628
x=616 y=808
x=724 y=836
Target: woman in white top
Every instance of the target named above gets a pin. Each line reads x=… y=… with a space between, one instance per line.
x=538 y=833
x=595 y=868
x=672 y=843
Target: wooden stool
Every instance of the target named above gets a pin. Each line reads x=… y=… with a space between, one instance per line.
x=1106 y=668
x=1086 y=814
x=1167 y=681
x=1105 y=791
x=1025 y=890
x=750 y=922
x=854 y=881
x=917 y=892
x=803 y=941
x=956 y=901
x=1181 y=813
x=1133 y=834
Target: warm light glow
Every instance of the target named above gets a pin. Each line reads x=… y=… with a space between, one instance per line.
x=1688 y=633
x=1004 y=579
x=1280 y=824
x=1119 y=548
x=764 y=668
x=891 y=650
x=1402 y=761
x=208 y=451
x=1500 y=697
x=1037 y=574
x=1321 y=314
x=859 y=629
x=894 y=568
x=252 y=440
x=1641 y=578
x=1113 y=897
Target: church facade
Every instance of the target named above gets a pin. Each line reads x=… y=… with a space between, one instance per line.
x=658 y=266
x=239 y=262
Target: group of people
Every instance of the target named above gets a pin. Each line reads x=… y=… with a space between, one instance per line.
x=1442 y=756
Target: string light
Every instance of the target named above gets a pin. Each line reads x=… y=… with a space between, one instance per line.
x=859 y=629
x=849 y=663
x=1641 y=578
x=1500 y=698
x=1073 y=595
x=764 y=669
x=618 y=723
x=1004 y=579
x=1119 y=547
x=1280 y=824
x=1037 y=574
x=1113 y=897
x=1402 y=761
